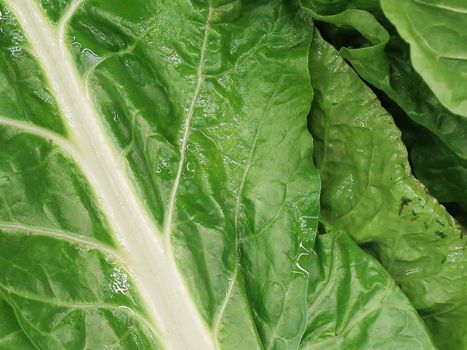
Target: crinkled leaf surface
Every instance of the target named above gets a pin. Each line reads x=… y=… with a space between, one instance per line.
x=355 y=304
x=380 y=56
x=369 y=192
x=435 y=31
x=140 y=199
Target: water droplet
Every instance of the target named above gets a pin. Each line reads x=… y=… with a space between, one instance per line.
x=163 y=165
x=299 y=268
x=17 y=37
x=412 y=271
x=308 y=223
x=83 y=250
x=16 y=51
x=175 y=60
x=302 y=246
x=455 y=254
x=120 y=282
x=190 y=167
x=89 y=57
x=234 y=46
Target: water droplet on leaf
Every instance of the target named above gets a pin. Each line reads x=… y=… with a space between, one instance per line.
x=190 y=167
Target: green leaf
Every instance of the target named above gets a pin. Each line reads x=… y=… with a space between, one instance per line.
x=355 y=304
x=369 y=60
x=369 y=193
x=382 y=58
x=11 y=334
x=436 y=37
x=140 y=199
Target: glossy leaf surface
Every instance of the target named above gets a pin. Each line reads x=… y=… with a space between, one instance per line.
x=157 y=188
x=437 y=43
x=140 y=199
x=369 y=192
x=355 y=304
x=438 y=141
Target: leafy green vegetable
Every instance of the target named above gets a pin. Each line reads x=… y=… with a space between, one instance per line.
x=368 y=192
x=11 y=335
x=157 y=188
x=439 y=150
x=140 y=197
x=372 y=314
x=434 y=35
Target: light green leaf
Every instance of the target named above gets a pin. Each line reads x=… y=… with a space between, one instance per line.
x=435 y=31
x=355 y=304
x=369 y=193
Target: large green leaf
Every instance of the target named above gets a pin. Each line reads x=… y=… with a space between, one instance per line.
x=435 y=31
x=140 y=199
x=382 y=58
x=369 y=192
x=355 y=304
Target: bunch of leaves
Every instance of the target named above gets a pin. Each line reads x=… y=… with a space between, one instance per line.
x=160 y=188
x=424 y=86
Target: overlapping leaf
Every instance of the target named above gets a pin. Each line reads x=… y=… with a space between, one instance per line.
x=438 y=140
x=157 y=188
x=355 y=304
x=436 y=36
x=369 y=192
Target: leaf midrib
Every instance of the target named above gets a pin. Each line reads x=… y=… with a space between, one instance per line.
x=154 y=269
